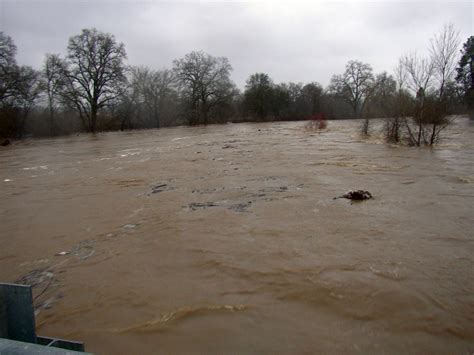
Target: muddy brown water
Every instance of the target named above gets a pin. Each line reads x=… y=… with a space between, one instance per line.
x=227 y=239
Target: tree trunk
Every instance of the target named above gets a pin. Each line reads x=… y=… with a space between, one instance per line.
x=410 y=133
x=354 y=109
x=421 y=94
x=52 y=127
x=472 y=71
x=204 y=114
x=433 y=134
x=51 y=115
x=93 y=119
x=420 y=130
x=157 y=115
x=21 y=128
x=204 y=110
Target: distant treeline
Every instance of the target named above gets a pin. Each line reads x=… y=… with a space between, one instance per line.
x=92 y=89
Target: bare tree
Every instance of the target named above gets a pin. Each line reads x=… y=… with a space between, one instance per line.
x=20 y=88
x=403 y=107
x=205 y=83
x=28 y=90
x=95 y=74
x=402 y=103
x=419 y=71
x=400 y=74
x=428 y=77
x=444 y=50
x=53 y=70
x=382 y=95
x=9 y=70
x=354 y=85
x=153 y=88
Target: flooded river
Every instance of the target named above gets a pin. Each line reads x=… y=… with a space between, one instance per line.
x=227 y=239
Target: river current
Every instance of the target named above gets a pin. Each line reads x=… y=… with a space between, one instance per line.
x=228 y=239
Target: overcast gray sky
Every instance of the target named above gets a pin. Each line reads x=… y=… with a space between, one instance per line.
x=290 y=40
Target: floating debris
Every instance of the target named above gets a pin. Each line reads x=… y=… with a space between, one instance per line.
x=62 y=253
x=204 y=191
x=264 y=191
x=357 y=195
x=195 y=205
x=129 y=226
x=240 y=207
x=36 y=277
x=158 y=188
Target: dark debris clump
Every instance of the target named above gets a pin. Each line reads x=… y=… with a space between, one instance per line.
x=357 y=195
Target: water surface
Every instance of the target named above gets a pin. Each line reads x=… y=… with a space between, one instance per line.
x=227 y=239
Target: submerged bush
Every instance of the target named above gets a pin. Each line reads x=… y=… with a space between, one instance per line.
x=317 y=121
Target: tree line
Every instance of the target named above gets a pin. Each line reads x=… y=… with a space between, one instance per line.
x=92 y=89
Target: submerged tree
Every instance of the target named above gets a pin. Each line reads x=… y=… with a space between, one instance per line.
x=263 y=99
x=205 y=83
x=150 y=99
x=444 y=49
x=95 y=74
x=153 y=87
x=419 y=72
x=53 y=77
x=29 y=88
x=428 y=78
x=258 y=95
x=380 y=102
x=312 y=94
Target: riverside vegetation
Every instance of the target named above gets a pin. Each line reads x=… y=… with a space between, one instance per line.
x=93 y=89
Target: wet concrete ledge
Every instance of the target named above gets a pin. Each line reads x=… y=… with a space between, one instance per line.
x=13 y=347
